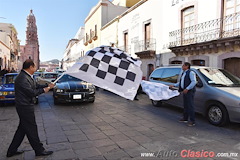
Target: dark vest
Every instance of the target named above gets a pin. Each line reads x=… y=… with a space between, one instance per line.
x=187 y=81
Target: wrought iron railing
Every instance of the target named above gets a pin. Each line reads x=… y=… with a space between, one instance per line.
x=145 y=45
x=126 y=48
x=229 y=26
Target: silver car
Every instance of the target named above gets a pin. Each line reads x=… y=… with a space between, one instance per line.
x=217 y=92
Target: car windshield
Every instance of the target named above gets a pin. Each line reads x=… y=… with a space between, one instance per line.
x=50 y=75
x=9 y=79
x=67 y=78
x=219 y=77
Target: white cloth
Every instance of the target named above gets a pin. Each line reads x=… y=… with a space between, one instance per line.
x=111 y=69
x=158 y=91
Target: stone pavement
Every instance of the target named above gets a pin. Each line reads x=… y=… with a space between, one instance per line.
x=115 y=128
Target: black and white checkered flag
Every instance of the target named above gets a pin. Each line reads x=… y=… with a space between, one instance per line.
x=158 y=91
x=111 y=69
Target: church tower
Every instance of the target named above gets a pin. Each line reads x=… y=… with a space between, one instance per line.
x=31 y=50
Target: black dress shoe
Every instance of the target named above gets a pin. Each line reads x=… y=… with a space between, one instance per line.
x=10 y=154
x=44 y=153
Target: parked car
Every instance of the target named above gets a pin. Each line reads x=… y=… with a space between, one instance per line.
x=71 y=89
x=37 y=74
x=7 y=94
x=47 y=77
x=7 y=91
x=217 y=92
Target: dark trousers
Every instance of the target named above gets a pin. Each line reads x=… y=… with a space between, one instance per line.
x=27 y=126
x=189 y=106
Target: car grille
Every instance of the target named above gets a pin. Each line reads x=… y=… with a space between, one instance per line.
x=77 y=90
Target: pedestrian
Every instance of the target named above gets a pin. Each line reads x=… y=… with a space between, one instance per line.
x=187 y=85
x=138 y=92
x=12 y=71
x=26 y=89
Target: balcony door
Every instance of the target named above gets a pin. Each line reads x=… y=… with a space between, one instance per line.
x=187 y=22
x=147 y=35
x=232 y=18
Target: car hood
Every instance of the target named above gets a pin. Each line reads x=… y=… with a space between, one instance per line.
x=73 y=85
x=7 y=87
x=232 y=90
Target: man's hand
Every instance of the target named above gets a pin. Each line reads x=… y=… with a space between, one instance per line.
x=46 y=89
x=185 y=91
x=51 y=85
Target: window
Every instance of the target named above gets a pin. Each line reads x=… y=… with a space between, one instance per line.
x=170 y=75
x=156 y=75
x=198 y=62
x=187 y=21
x=10 y=79
x=147 y=35
x=176 y=62
x=232 y=22
x=126 y=41
x=95 y=30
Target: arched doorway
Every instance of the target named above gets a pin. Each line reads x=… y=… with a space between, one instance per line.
x=198 y=62
x=150 y=69
x=176 y=62
x=232 y=65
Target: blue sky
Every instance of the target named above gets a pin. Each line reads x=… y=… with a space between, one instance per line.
x=57 y=20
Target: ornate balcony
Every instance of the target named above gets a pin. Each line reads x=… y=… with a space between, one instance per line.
x=212 y=34
x=146 y=48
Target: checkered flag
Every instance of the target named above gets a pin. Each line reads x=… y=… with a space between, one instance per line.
x=111 y=69
x=158 y=91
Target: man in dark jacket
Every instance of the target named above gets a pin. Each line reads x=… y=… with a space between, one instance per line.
x=26 y=89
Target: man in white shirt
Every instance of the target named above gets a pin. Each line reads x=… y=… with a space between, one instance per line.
x=187 y=85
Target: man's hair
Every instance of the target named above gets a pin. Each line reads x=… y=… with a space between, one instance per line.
x=187 y=64
x=28 y=63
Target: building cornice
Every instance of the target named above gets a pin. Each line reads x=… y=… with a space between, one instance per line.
x=96 y=8
x=4 y=45
x=133 y=8
x=124 y=13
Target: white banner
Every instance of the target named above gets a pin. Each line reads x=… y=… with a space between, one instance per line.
x=158 y=91
x=111 y=69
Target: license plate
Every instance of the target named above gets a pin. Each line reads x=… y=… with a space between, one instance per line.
x=77 y=96
x=4 y=93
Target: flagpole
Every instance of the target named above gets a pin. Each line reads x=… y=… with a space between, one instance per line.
x=58 y=79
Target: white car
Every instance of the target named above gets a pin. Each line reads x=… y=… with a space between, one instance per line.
x=47 y=77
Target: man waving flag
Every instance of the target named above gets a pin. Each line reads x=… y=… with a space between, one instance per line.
x=111 y=69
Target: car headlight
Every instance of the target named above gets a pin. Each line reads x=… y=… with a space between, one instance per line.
x=91 y=90
x=59 y=90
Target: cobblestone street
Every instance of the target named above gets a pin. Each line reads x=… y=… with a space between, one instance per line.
x=116 y=128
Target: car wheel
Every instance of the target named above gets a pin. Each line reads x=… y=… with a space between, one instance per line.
x=217 y=114
x=157 y=103
x=55 y=101
x=92 y=101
